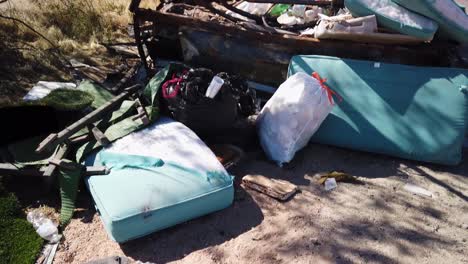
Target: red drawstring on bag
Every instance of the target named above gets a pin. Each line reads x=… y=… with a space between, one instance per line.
x=177 y=81
x=329 y=91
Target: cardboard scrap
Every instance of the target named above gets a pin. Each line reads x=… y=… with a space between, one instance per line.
x=278 y=189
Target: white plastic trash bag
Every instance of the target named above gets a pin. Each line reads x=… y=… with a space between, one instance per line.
x=293 y=114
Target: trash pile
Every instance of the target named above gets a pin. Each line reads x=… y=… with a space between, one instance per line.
x=159 y=119
x=355 y=20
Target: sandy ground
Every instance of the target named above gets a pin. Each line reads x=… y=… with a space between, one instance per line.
x=374 y=222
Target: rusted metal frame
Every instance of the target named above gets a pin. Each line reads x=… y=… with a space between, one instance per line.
x=134 y=4
x=138 y=40
x=292 y=41
x=55 y=139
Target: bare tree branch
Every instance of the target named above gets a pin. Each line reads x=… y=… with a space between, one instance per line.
x=29 y=27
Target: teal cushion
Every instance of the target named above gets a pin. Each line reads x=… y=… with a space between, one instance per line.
x=394 y=17
x=453 y=21
x=411 y=112
x=145 y=194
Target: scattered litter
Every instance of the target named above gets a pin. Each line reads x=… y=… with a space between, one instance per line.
x=339 y=177
x=214 y=87
x=298 y=15
x=330 y=184
x=45 y=228
x=279 y=9
x=417 y=190
x=125 y=50
x=292 y=115
x=191 y=98
x=112 y=260
x=279 y=189
x=228 y=155
x=42 y=89
x=330 y=28
x=259 y=9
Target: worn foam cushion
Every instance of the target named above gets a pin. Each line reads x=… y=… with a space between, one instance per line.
x=453 y=21
x=395 y=17
x=405 y=111
x=174 y=178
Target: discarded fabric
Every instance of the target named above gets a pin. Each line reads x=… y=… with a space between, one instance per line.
x=453 y=21
x=329 y=29
x=395 y=17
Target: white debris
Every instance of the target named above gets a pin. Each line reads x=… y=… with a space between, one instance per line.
x=330 y=184
x=42 y=89
x=417 y=190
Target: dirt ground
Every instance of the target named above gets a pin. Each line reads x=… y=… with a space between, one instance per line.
x=374 y=222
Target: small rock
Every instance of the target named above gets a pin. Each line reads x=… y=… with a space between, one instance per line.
x=464 y=226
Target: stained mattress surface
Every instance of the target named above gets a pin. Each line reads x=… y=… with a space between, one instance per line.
x=160 y=176
x=395 y=17
x=452 y=20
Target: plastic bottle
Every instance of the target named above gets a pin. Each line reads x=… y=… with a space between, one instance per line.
x=45 y=228
x=279 y=9
x=214 y=87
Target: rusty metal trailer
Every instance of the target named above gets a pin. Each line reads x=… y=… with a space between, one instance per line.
x=255 y=51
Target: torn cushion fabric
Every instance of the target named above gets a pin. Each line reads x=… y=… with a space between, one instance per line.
x=395 y=17
x=417 y=113
x=452 y=19
x=144 y=194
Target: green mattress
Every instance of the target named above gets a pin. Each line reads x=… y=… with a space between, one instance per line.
x=416 y=113
x=143 y=193
x=453 y=21
x=395 y=17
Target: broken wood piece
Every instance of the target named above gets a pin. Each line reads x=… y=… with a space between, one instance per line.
x=79 y=139
x=279 y=189
x=60 y=154
x=55 y=139
x=130 y=73
x=9 y=169
x=66 y=164
x=142 y=114
x=46 y=142
x=99 y=136
x=96 y=170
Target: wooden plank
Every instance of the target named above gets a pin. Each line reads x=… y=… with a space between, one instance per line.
x=8 y=169
x=88 y=119
x=99 y=136
x=96 y=170
x=61 y=153
x=278 y=189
